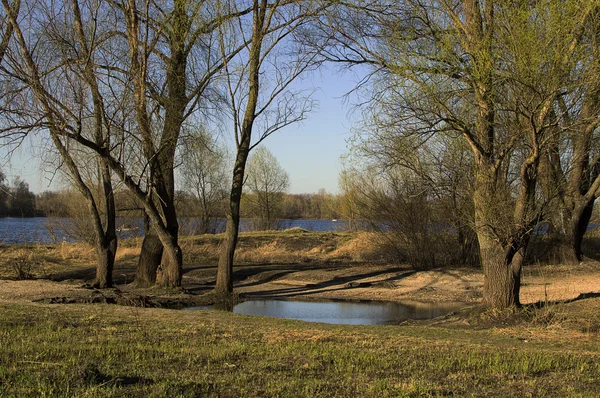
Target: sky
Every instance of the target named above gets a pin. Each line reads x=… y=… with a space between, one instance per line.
x=309 y=151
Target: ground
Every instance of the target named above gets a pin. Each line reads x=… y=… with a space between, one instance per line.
x=295 y=265
x=544 y=350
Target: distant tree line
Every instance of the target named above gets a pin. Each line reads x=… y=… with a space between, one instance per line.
x=68 y=203
x=16 y=200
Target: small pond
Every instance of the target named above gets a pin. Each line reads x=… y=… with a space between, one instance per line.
x=343 y=312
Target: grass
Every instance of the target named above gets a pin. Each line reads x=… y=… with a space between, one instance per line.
x=101 y=350
x=96 y=350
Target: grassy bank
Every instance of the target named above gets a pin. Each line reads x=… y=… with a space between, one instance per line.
x=102 y=350
x=267 y=247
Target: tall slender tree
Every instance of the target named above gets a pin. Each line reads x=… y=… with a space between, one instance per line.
x=260 y=94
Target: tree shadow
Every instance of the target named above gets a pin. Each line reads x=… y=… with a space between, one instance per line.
x=88 y=273
x=121 y=275
x=242 y=275
x=334 y=284
x=582 y=296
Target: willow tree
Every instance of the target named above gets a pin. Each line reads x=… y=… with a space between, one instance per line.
x=488 y=72
x=154 y=65
x=260 y=94
x=49 y=93
x=572 y=161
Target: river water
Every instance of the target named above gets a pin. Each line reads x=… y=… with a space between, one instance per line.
x=343 y=312
x=55 y=230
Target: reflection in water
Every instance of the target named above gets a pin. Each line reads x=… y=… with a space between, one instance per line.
x=371 y=313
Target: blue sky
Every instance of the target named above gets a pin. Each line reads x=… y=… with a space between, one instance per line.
x=309 y=151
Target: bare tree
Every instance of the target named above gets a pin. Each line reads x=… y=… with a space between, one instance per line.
x=267 y=182
x=204 y=175
x=154 y=67
x=71 y=102
x=261 y=99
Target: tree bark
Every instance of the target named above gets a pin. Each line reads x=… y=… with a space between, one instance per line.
x=579 y=223
x=502 y=274
x=149 y=260
x=224 y=283
x=169 y=272
x=501 y=256
x=106 y=261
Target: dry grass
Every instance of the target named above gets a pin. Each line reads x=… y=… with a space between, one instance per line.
x=290 y=246
x=365 y=246
x=40 y=260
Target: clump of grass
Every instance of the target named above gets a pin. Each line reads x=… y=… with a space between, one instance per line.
x=80 y=251
x=23 y=264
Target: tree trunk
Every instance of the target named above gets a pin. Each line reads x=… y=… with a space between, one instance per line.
x=149 y=261
x=169 y=272
x=224 y=284
x=566 y=240
x=502 y=274
x=579 y=224
x=501 y=257
x=467 y=241
x=106 y=261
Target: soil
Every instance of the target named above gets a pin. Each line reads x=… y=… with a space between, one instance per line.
x=316 y=281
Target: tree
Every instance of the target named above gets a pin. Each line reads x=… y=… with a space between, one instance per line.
x=415 y=193
x=267 y=182
x=571 y=164
x=77 y=105
x=148 y=72
x=3 y=195
x=474 y=70
x=21 y=201
x=259 y=94
x=204 y=175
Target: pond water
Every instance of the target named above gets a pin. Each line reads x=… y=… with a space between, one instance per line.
x=338 y=312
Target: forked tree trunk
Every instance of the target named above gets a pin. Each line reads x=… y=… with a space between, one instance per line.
x=501 y=257
x=567 y=240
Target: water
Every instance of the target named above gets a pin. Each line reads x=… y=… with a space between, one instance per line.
x=52 y=230
x=27 y=230
x=347 y=313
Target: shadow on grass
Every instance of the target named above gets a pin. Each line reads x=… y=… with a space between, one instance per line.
x=121 y=275
x=582 y=296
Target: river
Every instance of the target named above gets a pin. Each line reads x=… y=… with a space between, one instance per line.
x=55 y=230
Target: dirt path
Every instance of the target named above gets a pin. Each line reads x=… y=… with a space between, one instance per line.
x=343 y=281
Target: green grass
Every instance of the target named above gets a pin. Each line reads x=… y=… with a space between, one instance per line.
x=103 y=350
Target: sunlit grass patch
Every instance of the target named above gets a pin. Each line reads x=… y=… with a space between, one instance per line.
x=117 y=351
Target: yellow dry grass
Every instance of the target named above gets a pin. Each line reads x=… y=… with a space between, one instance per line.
x=363 y=246
x=270 y=252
